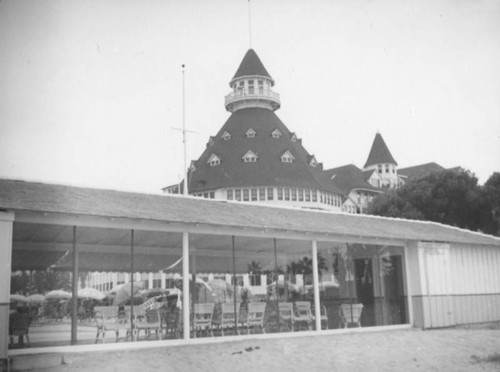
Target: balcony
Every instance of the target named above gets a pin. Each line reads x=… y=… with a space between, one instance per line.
x=243 y=99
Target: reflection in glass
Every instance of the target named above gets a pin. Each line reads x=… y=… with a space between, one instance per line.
x=364 y=286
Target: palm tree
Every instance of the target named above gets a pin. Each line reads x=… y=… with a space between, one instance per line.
x=254 y=271
x=254 y=267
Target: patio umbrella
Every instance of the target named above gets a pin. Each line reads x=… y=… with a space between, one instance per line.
x=91 y=294
x=125 y=292
x=36 y=298
x=58 y=294
x=18 y=298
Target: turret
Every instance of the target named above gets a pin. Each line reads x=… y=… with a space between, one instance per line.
x=251 y=86
x=381 y=160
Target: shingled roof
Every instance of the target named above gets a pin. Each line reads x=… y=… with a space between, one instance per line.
x=19 y=197
x=420 y=171
x=348 y=178
x=251 y=65
x=268 y=170
x=379 y=153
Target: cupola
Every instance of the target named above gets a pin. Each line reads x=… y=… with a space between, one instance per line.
x=251 y=86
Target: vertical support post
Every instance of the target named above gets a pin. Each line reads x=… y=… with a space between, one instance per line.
x=185 y=285
x=74 y=307
x=132 y=285
x=317 y=309
x=381 y=296
x=192 y=284
x=234 y=289
x=277 y=284
x=407 y=277
x=6 y=228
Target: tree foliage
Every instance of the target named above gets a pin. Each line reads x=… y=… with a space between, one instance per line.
x=451 y=197
x=491 y=194
x=305 y=266
x=39 y=281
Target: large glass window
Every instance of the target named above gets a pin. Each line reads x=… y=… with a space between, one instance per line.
x=361 y=285
x=119 y=276
x=238 y=285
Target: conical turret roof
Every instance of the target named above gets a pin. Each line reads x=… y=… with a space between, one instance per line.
x=379 y=153
x=251 y=65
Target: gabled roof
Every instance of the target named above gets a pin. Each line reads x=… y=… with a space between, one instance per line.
x=368 y=173
x=420 y=171
x=269 y=170
x=251 y=66
x=379 y=153
x=348 y=178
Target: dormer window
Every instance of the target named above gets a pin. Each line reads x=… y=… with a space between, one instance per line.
x=250 y=133
x=287 y=157
x=250 y=157
x=226 y=136
x=313 y=162
x=294 y=138
x=192 y=167
x=214 y=160
x=276 y=133
x=211 y=141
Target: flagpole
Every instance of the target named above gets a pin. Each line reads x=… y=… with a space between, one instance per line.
x=185 y=236
x=185 y=190
x=249 y=25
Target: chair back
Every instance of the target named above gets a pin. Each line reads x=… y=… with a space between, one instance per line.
x=303 y=309
x=106 y=312
x=203 y=314
x=20 y=322
x=228 y=317
x=256 y=312
x=285 y=310
x=351 y=312
x=153 y=316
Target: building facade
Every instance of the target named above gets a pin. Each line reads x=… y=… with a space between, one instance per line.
x=255 y=157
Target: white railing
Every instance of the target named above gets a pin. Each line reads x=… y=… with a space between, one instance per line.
x=244 y=94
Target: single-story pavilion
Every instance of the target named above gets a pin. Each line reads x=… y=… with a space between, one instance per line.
x=404 y=273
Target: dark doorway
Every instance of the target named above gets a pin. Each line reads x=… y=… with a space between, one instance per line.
x=363 y=271
x=394 y=292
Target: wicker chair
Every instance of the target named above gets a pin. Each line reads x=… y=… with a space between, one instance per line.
x=350 y=314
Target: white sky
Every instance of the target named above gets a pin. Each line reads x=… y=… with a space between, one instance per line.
x=89 y=90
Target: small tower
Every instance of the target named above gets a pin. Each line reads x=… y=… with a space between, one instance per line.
x=381 y=160
x=252 y=86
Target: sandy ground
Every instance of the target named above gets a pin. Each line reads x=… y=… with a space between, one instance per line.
x=457 y=349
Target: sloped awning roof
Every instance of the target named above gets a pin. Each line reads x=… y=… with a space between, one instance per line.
x=20 y=197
